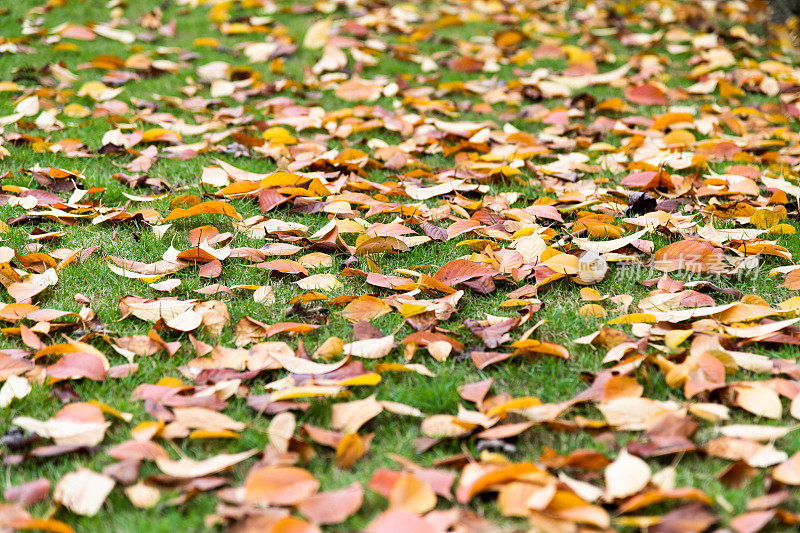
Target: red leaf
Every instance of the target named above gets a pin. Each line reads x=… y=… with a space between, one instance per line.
x=461 y=270
x=76 y=365
x=646 y=94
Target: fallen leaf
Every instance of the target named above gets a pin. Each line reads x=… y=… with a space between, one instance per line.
x=83 y=491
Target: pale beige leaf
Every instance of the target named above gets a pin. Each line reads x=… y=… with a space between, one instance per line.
x=166 y=285
x=28 y=107
x=788 y=472
x=370 y=348
x=280 y=430
x=755 y=432
x=636 y=414
x=625 y=476
x=83 y=491
x=445 y=426
x=348 y=417
x=317 y=34
x=186 y=468
x=298 y=365
x=795 y=408
x=189 y=320
x=761 y=401
x=202 y=418
x=319 y=282
x=65 y=432
x=143 y=496
x=264 y=295
x=15 y=387
x=602 y=247
x=401 y=409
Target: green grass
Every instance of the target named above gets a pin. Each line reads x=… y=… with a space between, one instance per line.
x=551 y=380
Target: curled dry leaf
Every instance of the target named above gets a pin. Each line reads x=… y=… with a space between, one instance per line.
x=186 y=468
x=350 y=416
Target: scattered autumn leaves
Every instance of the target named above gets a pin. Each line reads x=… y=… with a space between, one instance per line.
x=647 y=183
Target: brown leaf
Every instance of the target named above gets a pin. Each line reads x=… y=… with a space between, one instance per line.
x=365 y=308
x=358 y=89
x=212 y=269
x=692 y=518
x=792 y=280
x=381 y=245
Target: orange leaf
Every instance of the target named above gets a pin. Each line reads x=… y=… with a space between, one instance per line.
x=279 y=485
x=409 y=493
x=212 y=207
x=349 y=450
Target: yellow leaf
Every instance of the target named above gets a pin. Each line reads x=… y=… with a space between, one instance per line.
x=278 y=135
x=409 y=493
x=516 y=403
x=317 y=34
x=675 y=337
x=634 y=318
x=213 y=434
x=765 y=218
x=592 y=310
x=782 y=229
x=206 y=41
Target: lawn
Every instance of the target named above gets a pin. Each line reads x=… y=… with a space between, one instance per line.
x=206 y=203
